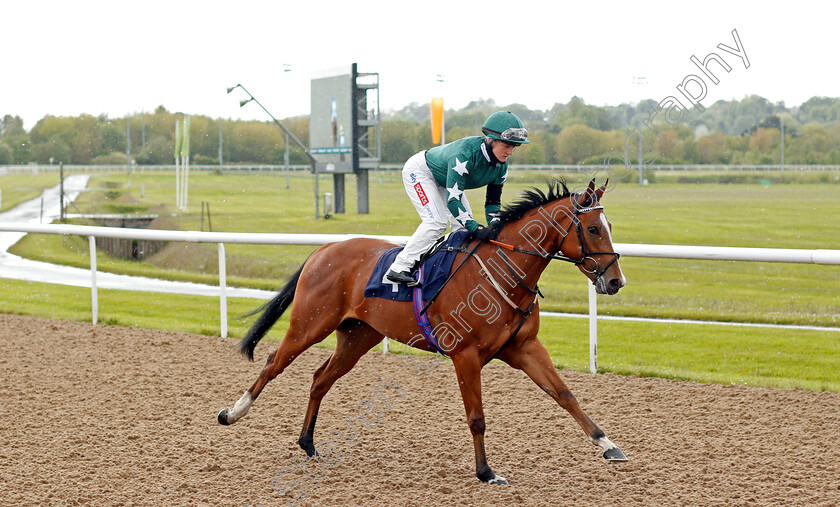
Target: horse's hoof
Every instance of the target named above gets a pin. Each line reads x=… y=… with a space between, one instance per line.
x=222 y=417
x=614 y=454
x=309 y=448
x=498 y=481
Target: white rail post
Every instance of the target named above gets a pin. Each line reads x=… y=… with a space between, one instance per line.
x=94 y=297
x=593 y=329
x=222 y=295
x=385 y=343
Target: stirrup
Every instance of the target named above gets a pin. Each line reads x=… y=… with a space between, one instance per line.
x=404 y=278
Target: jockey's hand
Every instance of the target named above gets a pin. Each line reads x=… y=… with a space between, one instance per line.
x=486 y=233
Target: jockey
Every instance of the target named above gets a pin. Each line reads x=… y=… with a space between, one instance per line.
x=435 y=181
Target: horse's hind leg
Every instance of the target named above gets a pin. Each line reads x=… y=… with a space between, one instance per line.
x=298 y=338
x=531 y=357
x=355 y=338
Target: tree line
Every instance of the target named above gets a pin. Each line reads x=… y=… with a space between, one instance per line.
x=149 y=137
x=746 y=131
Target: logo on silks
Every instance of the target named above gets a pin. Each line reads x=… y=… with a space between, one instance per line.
x=421 y=194
x=413 y=177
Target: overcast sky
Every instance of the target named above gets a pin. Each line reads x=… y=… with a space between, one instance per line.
x=118 y=58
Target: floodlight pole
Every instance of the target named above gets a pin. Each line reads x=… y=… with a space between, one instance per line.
x=641 y=167
x=442 y=79
x=286 y=160
x=782 y=122
x=128 y=144
x=289 y=133
x=220 y=146
x=60 y=192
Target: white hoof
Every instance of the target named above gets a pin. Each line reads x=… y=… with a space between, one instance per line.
x=498 y=480
x=231 y=415
x=611 y=451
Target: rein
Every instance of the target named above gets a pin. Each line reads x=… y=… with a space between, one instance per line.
x=585 y=253
x=537 y=254
x=450 y=249
x=423 y=321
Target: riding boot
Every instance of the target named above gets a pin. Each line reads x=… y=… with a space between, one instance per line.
x=402 y=277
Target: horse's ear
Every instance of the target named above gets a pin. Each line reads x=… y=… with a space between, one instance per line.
x=600 y=192
x=587 y=198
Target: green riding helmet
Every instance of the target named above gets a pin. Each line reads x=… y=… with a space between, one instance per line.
x=505 y=126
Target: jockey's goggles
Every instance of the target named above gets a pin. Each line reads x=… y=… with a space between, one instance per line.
x=514 y=135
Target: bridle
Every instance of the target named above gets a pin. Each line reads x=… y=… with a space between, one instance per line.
x=585 y=252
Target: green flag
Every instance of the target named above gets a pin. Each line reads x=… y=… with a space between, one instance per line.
x=185 y=147
x=177 y=140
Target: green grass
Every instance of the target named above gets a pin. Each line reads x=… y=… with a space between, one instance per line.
x=780 y=216
x=169 y=312
x=784 y=358
x=703 y=353
x=768 y=177
x=149 y=310
x=17 y=188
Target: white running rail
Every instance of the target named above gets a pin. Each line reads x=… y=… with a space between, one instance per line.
x=819 y=256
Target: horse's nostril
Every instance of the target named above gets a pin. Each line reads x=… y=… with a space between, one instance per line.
x=615 y=282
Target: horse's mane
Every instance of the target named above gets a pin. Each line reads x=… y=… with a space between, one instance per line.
x=532 y=198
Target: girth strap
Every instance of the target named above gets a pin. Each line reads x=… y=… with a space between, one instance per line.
x=422 y=318
x=449 y=249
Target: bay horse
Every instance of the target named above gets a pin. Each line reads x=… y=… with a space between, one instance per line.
x=481 y=313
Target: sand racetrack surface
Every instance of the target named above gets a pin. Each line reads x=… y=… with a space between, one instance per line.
x=109 y=415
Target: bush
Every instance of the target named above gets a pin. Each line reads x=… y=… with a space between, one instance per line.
x=631 y=174
x=203 y=160
x=6 y=154
x=52 y=150
x=114 y=158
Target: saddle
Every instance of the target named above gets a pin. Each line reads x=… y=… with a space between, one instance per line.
x=436 y=263
x=432 y=271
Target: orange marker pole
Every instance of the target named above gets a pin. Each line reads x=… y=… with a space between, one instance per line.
x=437 y=121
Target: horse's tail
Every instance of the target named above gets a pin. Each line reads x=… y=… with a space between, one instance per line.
x=272 y=311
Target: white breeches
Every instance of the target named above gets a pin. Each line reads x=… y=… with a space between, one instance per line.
x=429 y=199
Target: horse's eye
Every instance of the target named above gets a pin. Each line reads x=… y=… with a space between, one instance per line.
x=593 y=230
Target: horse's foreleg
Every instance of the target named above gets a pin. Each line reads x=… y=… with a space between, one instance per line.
x=354 y=339
x=468 y=369
x=531 y=357
x=294 y=343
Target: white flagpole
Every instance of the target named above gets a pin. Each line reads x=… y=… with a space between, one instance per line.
x=177 y=165
x=187 y=121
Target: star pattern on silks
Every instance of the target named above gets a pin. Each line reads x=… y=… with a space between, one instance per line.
x=463 y=217
x=504 y=178
x=460 y=167
x=455 y=192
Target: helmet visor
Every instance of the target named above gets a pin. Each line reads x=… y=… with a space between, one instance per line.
x=514 y=135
